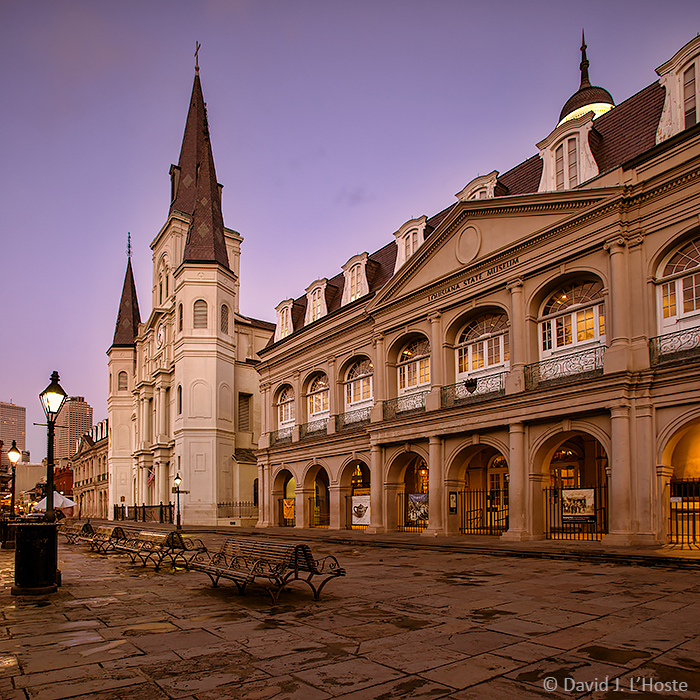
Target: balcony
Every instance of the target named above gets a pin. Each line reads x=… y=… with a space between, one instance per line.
x=565 y=369
x=404 y=405
x=473 y=390
x=675 y=347
x=353 y=420
x=313 y=429
x=281 y=436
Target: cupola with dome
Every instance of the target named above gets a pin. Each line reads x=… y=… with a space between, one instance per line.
x=588 y=98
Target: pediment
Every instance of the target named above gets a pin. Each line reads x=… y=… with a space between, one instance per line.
x=482 y=237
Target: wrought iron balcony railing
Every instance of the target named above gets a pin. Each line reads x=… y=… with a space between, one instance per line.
x=353 y=420
x=473 y=390
x=675 y=347
x=404 y=405
x=281 y=436
x=314 y=428
x=565 y=369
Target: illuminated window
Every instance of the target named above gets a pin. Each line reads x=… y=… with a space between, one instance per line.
x=358 y=388
x=319 y=394
x=316 y=304
x=414 y=367
x=284 y=322
x=573 y=316
x=285 y=407
x=680 y=295
x=483 y=344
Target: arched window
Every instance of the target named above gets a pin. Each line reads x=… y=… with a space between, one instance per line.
x=284 y=321
x=122 y=381
x=285 y=407
x=224 y=318
x=200 y=314
x=680 y=289
x=573 y=316
x=355 y=287
x=316 y=304
x=319 y=394
x=414 y=367
x=358 y=386
x=566 y=164
x=483 y=344
x=180 y=319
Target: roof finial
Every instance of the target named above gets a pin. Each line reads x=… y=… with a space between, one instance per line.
x=128 y=245
x=585 y=82
x=196 y=56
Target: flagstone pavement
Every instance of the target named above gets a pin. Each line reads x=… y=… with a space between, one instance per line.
x=404 y=623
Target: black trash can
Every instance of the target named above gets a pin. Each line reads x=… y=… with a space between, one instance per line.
x=7 y=534
x=36 y=558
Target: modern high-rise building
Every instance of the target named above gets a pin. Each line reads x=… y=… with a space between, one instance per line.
x=13 y=426
x=74 y=420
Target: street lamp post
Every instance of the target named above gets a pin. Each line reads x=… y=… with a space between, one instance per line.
x=52 y=400
x=13 y=454
x=177 y=481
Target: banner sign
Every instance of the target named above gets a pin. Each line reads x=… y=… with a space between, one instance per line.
x=578 y=505
x=288 y=508
x=360 y=510
x=417 y=507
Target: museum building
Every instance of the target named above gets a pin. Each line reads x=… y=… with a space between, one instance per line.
x=523 y=363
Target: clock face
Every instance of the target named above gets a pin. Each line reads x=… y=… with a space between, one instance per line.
x=161 y=335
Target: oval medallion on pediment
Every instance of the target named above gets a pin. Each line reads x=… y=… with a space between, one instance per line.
x=468 y=244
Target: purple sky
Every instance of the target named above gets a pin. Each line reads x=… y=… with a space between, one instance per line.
x=332 y=124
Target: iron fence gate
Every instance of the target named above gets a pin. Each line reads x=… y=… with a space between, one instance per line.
x=320 y=512
x=484 y=512
x=576 y=514
x=684 y=512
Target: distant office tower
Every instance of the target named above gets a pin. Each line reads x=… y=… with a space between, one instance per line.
x=74 y=420
x=13 y=426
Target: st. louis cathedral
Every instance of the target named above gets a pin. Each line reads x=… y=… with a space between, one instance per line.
x=183 y=389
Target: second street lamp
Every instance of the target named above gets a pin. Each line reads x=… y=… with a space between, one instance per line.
x=177 y=481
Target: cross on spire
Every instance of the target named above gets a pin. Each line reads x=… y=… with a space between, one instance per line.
x=128 y=245
x=196 y=56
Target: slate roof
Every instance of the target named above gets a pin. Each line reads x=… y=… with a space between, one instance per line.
x=205 y=235
x=128 y=317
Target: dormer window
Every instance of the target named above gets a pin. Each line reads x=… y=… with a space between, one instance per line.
x=680 y=76
x=315 y=305
x=566 y=155
x=355 y=273
x=690 y=97
x=482 y=187
x=408 y=239
x=316 y=301
x=566 y=164
x=284 y=320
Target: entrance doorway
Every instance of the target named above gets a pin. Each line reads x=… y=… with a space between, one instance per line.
x=413 y=501
x=576 y=497
x=358 y=502
x=484 y=503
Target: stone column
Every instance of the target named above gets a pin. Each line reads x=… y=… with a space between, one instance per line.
x=263 y=497
x=379 y=380
x=436 y=491
x=335 y=505
x=664 y=474
x=376 y=483
x=617 y=320
x=620 y=482
x=515 y=380
x=432 y=400
x=517 y=485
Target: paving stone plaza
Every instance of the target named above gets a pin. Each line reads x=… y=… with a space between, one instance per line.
x=406 y=622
